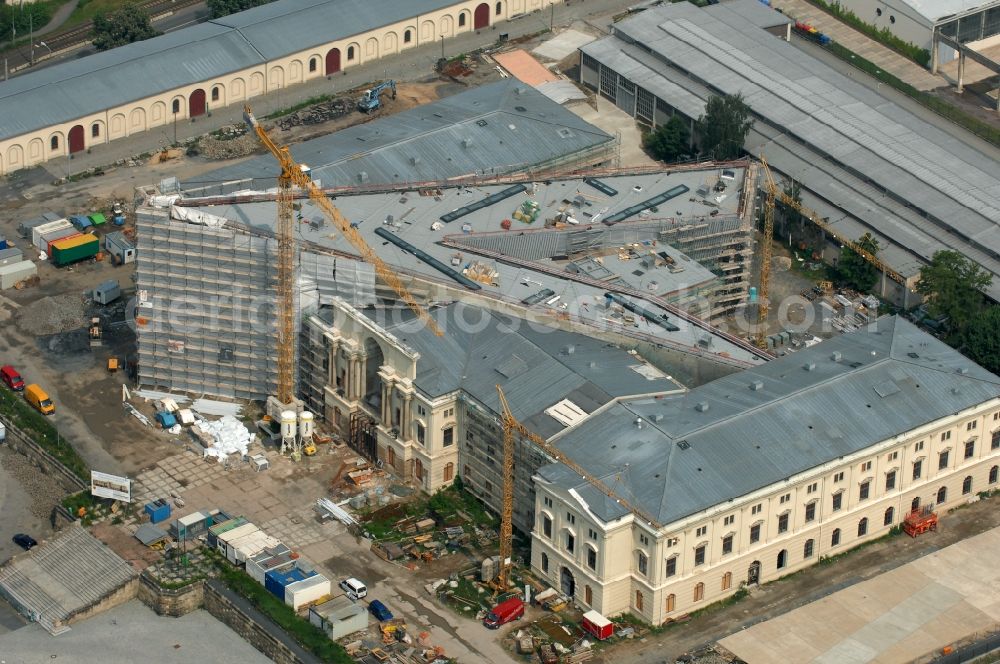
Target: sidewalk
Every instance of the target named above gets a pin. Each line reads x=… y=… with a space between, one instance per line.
x=902 y=68
x=61 y=16
x=414 y=64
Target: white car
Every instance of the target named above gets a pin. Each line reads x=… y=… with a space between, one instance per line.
x=353 y=588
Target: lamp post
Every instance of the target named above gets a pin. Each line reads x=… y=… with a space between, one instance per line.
x=41 y=43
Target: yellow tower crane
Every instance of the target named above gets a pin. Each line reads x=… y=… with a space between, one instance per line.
x=294 y=176
x=512 y=427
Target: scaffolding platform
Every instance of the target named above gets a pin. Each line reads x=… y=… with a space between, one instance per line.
x=920 y=521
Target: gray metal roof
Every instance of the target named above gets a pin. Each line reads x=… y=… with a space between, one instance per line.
x=871 y=143
x=887 y=381
x=78 y=88
x=937 y=10
x=537 y=366
x=491 y=129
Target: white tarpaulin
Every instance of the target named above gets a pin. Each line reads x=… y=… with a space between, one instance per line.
x=229 y=436
x=197 y=217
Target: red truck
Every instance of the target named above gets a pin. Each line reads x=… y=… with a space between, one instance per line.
x=504 y=612
x=11 y=378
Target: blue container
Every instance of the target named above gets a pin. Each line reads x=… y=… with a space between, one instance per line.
x=166 y=419
x=81 y=222
x=158 y=510
x=3 y=242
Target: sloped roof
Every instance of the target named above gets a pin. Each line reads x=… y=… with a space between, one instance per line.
x=493 y=128
x=81 y=87
x=738 y=434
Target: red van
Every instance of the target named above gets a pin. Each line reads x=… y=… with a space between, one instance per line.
x=11 y=377
x=504 y=612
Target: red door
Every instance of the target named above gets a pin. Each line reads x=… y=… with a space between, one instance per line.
x=76 y=139
x=333 y=61
x=482 y=17
x=196 y=104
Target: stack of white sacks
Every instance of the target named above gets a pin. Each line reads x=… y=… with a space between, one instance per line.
x=230 y=436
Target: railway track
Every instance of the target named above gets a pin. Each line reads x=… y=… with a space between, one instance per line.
x=20 y=57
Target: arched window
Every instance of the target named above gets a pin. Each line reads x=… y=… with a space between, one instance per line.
x=835 y=537
x=588 y=595
x=993 y=474
x=671 y=601
x=807 y=548
x=782 y=559
x=461 y=20
x=95 y=130
x=215 y=93
x=54 y=143
x=313 y=64
x=699 y=591
x=176 y=106
x=418 y=469
x=545 y=562
x=942 y=494
x=643 y=563
x=915 y=504
x=407 y=36
x=638 y=600
x=863 y=527
x=350 y=52
x=890 y=515
x=449 y=472
x=727 y=580
x=390 y=457
x=499 y=9
x=967 y=485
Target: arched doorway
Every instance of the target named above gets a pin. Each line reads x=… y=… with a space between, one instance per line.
x=481 y=19
x=566 y=582
x=196 y=104
x=753 y=575
x=76 y=141
x=373 y=383
x=332 y=61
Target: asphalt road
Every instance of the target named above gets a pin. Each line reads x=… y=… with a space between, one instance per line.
x=15 y=512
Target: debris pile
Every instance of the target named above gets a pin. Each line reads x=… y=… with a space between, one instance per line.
x=224 y=436
x=317 y=114
x=52 y=315
x=213 y=147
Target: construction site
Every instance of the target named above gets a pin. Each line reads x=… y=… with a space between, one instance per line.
x=450 y=369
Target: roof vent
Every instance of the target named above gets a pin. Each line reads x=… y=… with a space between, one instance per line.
x=638 y=423
x=963 y=370
x=482 y=123
x=569 y=350
x=683 y=444
x=414 y=161
x=520 y=109
x=658 y=417
x=520 y=90
x=836 y=356
x=592 y=365
x=468 y=143
x=363 y=177
x=702 y=406
x=955 y=390
x=757 y=385
x=810 y=366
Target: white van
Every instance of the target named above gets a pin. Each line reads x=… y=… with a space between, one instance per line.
x=354 y=588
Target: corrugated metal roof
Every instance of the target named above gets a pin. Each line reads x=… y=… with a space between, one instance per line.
x=888 y=381
x=495 y=128
x=936 y=10
x=78 y=88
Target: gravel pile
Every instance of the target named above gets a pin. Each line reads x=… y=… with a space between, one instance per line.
x=52 y=315
x=45 y=492
x=211 y=147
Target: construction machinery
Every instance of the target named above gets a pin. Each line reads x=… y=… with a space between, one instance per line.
x=511 y=427
x=94 y=332
x=920 y=521
x=295 y=175
x=371 y=100
x=773 y=195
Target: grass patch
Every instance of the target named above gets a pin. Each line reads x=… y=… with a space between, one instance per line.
x=17 y=411
x=940 y=106
x=826 y=560
x=312 y=101
x=305 y=633
x=882 y=35
x=447 y=506
x=86 y=10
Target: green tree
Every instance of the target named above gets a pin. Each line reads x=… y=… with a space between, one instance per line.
x=724 y=127
x=128 y=24
x=855 y=270
x=220 y=8
x=980 y=340
x=953 y=286
x=670 y=141
x=23 y=18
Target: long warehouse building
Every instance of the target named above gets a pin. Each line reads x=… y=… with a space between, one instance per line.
x=865 y=164
x=183 y=75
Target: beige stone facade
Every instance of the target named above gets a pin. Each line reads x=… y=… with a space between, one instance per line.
x=660 y=575
x=189 y=102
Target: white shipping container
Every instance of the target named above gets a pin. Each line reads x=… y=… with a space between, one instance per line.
x=15 y=272
x=306 y=591
x=236 y=533
x=38 y=231
x=11 y=255
x=251 y=545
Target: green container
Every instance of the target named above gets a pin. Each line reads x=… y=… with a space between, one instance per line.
x=74 y=249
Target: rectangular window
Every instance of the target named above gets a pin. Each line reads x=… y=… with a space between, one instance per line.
x=671 y=566
x=570 y=542
x=783 y=523
x=592 y=558
x=421 y=433
x=547 y=501
x=591 y=533
x=838 y=477
x=643 y=564
x=785 y=498
x=943 y=460
x=919 y=446
x=838 y=500
x=890 y=480
x=892 y=456
x=449 y=436
x=812 y=487
x=728 y=521
x=701 y=531
x=547 y=526
x=756 y=508
x=864 y=490
x=727 y=544
x=866 y=466
x=971 y=426
x=643 y=539
x=810 y=511
x=970 y=449
x=945 y=436
x=755 y=533
x=995 y=441
x=699 y=555
x=570 y=518
x=420 y=410
x=918 y=466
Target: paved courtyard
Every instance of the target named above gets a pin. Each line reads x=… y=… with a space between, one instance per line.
x=898 y=616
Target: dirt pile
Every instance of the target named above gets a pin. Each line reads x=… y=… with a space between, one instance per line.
x=52 y=315
x=318 y=113
x=45 y=493
x=227 y=146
